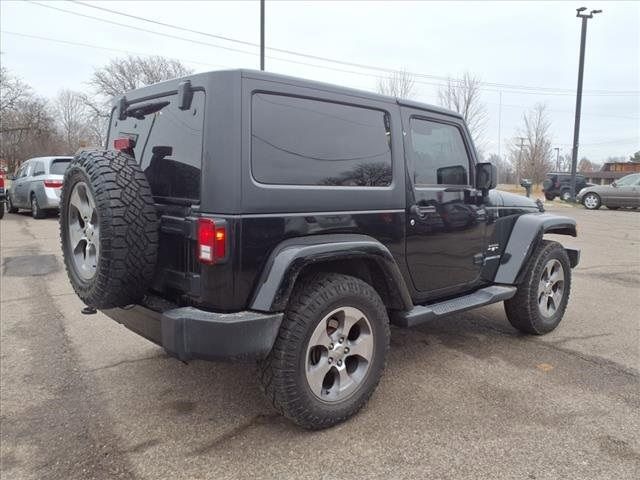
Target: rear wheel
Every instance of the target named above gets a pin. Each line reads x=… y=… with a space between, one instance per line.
x=591 y=201
x=543 y=294
x=549 y=196
x=330 y=351
x=36 y=211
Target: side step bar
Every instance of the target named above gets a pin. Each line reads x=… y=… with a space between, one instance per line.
x=424 y=313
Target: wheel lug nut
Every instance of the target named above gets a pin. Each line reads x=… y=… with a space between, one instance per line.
x=331 y=346
x=330 y=360
x=346 y=349
x=341 y=340
x=339 y=363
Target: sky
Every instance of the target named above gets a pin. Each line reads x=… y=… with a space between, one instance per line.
x=508 y=45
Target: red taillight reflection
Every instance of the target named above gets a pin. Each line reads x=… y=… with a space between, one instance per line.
x=124 y=144
x=212 y=241
x=53 y=183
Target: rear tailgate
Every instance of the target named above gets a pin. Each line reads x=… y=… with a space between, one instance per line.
x=167 y=143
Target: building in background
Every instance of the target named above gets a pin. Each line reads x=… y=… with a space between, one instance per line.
x=611 y=171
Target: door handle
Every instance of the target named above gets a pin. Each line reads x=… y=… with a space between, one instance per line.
x=422 y=211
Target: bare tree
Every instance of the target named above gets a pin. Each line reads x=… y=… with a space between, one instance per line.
x=28 y=130
x=398 y=84
x=129 y=73
x=534 y=159
x=12 y=91
x=506 y=173
x=72 y=115
x=585 y=165
x=463 y=96
x=119 y=76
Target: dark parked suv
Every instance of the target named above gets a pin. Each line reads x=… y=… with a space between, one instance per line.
x=241 y=214
x=559 y=185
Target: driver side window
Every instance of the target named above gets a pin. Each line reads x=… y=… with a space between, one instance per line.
x=439 y=154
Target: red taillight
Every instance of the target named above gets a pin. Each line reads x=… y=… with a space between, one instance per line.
x=1 y=182
x=53 y=183
x=212 y=240
x=124 y=144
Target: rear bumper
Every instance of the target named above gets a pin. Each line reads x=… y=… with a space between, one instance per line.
x=49 y=198
x=188 y=333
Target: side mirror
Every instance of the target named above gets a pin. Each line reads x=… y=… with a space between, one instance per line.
x=486 y=176
x=614 y=184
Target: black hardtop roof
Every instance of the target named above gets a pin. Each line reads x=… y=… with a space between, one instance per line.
x=201 y=79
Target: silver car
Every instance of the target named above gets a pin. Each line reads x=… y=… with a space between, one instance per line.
x=621 y=193
x=36 y=185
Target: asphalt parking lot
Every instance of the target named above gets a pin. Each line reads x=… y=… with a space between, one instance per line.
x=463 y=397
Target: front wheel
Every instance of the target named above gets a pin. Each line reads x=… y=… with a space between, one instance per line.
x=330 y=352
x=591 y=201
x=543 y=294
x=565 y=196
x=11 y=208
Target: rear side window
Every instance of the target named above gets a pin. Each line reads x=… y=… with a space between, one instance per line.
x=298 y=141
x=59 y=166
x=439 y=154
x=38 y=169
x=168 y=146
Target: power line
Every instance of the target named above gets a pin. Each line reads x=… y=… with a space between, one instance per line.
x=626 y=117
x=526 y=89
x=220 y=46
x=88 y=45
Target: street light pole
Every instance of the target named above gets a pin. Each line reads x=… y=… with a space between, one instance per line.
x=262 y=35
x=576 y=128
x=557 y=149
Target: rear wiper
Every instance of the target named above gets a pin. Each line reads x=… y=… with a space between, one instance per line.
x=140 y=111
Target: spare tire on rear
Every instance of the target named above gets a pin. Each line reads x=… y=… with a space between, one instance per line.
x=108 y=229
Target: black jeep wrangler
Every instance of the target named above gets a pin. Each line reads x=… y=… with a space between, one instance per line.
x=242 y=214
x=559 y=185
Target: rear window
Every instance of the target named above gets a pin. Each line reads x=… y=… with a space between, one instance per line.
x=299 y=141
x=59 y=166
x=168 y=146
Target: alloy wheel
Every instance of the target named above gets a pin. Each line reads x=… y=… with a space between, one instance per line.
x=591 y=201
x=84 y=231
x=551 y=288
x=339 y=354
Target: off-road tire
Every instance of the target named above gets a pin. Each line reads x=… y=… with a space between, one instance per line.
x=549 y=196
x=128 y=226
x=1 y=208
x=282 y=373
x=522 y=309
x=10 y=207
x=36 y=211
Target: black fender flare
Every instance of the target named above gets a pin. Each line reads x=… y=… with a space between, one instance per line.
x=291 y=256
x=527 y=232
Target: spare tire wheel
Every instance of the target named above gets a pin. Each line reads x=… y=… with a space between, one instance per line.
x=108 y=229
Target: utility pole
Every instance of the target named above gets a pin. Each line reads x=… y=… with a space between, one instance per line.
x=576 y=128
x=557 y=149
x=500 y=125
x=262 y=35
x=519 y=169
